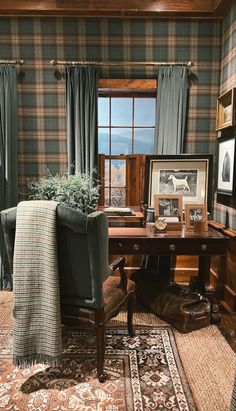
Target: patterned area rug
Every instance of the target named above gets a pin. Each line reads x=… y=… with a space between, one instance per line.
x=144 y=373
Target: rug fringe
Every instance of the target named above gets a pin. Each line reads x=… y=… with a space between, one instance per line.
x=32 y=359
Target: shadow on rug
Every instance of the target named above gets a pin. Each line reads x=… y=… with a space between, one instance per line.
x=143 y=373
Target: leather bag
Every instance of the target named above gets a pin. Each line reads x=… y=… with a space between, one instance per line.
x=184 y=309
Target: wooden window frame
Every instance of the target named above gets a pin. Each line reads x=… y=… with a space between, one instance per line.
x=134 y=179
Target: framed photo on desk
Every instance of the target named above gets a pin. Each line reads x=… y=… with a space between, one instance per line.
x=184 y=174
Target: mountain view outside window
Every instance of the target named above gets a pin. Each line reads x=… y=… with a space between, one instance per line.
x=126 y=125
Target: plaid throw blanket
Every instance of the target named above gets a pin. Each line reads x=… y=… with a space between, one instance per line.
x=36 y=309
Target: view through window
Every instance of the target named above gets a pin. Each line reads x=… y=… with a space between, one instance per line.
x=126 y=125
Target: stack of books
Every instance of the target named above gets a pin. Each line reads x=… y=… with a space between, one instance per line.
x=118 y=211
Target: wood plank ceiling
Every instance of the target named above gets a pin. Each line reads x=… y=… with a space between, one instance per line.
x=117 y=8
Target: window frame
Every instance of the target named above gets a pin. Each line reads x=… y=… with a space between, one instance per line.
x=132 y=88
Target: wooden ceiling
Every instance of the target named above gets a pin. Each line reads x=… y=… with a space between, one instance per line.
x=117 y=8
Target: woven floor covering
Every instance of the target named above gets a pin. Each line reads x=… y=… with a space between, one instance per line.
x=158 y=369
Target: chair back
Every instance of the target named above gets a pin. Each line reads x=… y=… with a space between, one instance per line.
x=82 y=253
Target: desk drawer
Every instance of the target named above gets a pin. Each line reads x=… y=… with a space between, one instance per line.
x=179 y=246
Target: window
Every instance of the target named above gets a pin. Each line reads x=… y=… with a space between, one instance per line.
x=126 y=126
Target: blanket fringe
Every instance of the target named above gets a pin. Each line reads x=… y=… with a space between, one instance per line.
x=32 y=359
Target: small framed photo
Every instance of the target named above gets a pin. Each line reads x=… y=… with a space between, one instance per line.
x=226 y=166
x=195 y=213
x=168 y=207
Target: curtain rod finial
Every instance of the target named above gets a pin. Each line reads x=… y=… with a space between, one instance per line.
x=53 y=62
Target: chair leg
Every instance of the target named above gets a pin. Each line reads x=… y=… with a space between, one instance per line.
x=100 y=334
x=130 y=311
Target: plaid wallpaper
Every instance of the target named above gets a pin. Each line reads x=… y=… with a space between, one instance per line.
x=42 y=140
x=224 y=206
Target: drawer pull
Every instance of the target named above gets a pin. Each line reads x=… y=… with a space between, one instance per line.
x=136 y=247
x=120 y=245
x=172 y=247
x=203 y=247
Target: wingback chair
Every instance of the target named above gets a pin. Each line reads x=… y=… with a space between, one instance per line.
x=90 y=295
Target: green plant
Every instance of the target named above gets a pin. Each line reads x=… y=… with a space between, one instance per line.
x=80 y=191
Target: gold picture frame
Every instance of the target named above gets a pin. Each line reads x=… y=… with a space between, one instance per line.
x=194 y=214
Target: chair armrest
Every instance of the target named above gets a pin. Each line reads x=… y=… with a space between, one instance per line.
x=120 y=263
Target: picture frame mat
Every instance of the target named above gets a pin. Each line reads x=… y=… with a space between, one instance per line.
x=183 y=164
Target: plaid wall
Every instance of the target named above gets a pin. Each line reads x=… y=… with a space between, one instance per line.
x=42 y=139
x=223 y=204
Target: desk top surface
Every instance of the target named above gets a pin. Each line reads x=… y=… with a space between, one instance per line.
x=150 y=232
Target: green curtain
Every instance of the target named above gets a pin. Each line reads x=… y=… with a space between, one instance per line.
x=171 y=110
x=169 y=138
x=81 y=118
x=8 y=156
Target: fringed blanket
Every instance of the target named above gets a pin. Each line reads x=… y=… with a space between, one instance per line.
x=36 y=310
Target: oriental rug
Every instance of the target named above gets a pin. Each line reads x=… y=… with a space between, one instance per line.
x=143 y=373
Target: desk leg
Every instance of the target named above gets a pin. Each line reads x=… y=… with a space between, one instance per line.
x=203 y=278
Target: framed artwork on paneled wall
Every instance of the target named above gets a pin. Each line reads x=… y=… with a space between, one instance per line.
x=188 y=175
x=226 y=166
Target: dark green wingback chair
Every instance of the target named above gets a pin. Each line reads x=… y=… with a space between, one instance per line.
x=90 y=295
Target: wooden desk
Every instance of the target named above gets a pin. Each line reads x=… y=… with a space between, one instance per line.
x=127 y=240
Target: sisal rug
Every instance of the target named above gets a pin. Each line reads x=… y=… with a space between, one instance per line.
x=156 y=370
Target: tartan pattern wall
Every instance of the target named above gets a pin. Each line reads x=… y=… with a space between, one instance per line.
x=42 y=136
x=227 y=81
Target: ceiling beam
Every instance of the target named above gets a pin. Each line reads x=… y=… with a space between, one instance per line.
x=113 y=8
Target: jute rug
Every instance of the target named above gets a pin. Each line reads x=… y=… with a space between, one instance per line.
x=156 y=370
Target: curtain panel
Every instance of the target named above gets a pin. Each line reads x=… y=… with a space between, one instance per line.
x=169 y=138
x=8 y=157
x=81 y=118
x=171 y=110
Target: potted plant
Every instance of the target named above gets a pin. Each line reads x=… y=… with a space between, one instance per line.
x=80 y=191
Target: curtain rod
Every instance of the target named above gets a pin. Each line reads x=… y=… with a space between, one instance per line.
x=118 y=63
x=20 y=62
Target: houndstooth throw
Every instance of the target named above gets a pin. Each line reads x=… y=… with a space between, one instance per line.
x=36 y=308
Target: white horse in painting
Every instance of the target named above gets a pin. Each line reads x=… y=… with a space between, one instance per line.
x=179 y=183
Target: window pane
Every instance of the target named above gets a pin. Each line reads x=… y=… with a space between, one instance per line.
x=144 y=111
x=121 y=141
x=121 y=111
x=144 y=140
x=103 y=111
x=107 y=198
x=118 y=197
x=107 y=172
x=103 y=141
x=118 y=173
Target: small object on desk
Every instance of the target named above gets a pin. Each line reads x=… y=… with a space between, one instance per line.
x=118 y=211
x=143 y=209
x=160 y=224
x=150 y=215
x=199 y=226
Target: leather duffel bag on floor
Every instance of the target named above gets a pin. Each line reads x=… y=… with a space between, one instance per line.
x=184 y=309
